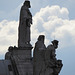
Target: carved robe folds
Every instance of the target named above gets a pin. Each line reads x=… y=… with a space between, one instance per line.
x=24 y=27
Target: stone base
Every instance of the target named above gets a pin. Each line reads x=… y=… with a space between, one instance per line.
x=22 y=59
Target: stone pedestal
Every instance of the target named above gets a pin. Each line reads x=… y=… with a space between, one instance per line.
x=21 y=60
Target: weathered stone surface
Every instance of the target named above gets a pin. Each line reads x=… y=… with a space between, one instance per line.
x=38 y=56
x=44 y=61
x=23 y=61
x=24 y=25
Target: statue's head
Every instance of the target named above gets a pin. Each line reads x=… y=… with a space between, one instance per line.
x=10 y=48
x=55 y=43
x=41 y=38
x=27 y=3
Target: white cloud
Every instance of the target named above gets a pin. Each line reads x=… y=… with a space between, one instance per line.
x=51 y=21
x=54 y=22
x=8 y=34
x=53 y=11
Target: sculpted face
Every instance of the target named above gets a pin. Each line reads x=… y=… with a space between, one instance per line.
x=27 y=4
x=41 y=38
x=55 y=45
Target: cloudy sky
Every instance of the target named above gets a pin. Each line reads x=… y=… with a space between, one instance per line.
x=53 y=18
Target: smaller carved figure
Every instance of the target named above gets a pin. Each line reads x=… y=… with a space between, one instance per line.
x=53 y=66
x=9 y=53
x=38 y=59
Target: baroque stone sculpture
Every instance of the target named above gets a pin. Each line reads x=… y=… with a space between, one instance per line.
x=38 y=56
x=19 y=60
x=52 y=64
x=45 y=62
x=24 y=25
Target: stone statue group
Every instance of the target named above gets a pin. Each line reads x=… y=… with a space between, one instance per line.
x=44 y=59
